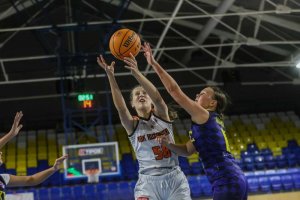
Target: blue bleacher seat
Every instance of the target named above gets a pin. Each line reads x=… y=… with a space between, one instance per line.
x=31 y=170
x=184 y=165
x=127 y=157
x=248 y=163
x=293 y=171
x=259 y=173
x=54 y=179
x=90 y=191
x=253 y=184
x=259 y=162
x=194 y=183
x=292 y=159
x=44 y=194
x=244 y=154
x=129 y=169
x=275 y=183
x=11 y=171
x=42 y=165
x=270 y=162
x=296 y=180
x=297 y=152
x=113 y=191
x=287 y=182
x=205 y=186
x=266 y=152
x=67 y=193
x=249 y=174
x=281 y=161
x=264 y=184
x=285 y=150
x=252 y=148
x=102 y=191
x=125 y=191
x=292 y=144
x=78 y=191
x=196 y=168
x=55 y=193
x=271 y=172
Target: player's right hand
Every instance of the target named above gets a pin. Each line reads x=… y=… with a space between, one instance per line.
x=59 y=161
x=109 y=69
x=148 y=53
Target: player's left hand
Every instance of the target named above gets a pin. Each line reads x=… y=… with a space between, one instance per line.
x=59 y=161
x=109 y=69
x=16 y=127
x=163 y=140
x=131 y=63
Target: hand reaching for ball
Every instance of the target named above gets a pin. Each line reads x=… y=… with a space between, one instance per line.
x=109 y=69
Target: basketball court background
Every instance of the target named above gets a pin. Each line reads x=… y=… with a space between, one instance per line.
x=48 y=51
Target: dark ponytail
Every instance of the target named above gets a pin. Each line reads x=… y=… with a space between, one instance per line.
x=222 y=100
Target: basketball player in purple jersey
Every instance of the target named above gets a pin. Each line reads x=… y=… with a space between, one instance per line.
x=207 y=136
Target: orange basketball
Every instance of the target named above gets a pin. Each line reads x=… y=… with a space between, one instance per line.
x=123 y=42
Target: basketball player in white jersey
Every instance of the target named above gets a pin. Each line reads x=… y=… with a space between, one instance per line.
x=160 y=177
x=8 y=180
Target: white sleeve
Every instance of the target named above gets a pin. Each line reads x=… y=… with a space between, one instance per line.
x=6 y=178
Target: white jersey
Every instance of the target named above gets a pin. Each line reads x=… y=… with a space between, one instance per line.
x=4 y=179
x=153 y=158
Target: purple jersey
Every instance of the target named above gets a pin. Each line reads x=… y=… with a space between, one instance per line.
x=220 y=166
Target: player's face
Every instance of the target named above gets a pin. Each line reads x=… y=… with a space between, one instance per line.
x=1 y=161
x=140 y=99
x=205 y=98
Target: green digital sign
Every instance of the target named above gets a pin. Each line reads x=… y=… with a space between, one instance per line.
x=85 y=97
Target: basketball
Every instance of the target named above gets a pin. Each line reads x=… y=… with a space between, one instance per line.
x=123 y=42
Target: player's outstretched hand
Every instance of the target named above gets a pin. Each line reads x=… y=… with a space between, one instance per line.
x=109 y=69
x=148 y=53
x=59 y=161
x=131 y=63
x=16 y=127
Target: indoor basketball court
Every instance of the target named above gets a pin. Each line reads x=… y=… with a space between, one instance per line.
x=72 y=68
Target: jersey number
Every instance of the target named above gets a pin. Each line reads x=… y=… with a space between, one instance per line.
x=161 y=152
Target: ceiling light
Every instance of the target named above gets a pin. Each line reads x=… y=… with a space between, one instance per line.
x=298 y=65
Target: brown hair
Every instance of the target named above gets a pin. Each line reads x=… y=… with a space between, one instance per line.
x=131 y=92
x=172 y=112
x=222 y=100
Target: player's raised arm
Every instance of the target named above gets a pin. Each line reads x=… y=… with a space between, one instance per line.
x=37 y=178
x=124 y=114
x=197 y=112
x=160 y=107
x=15 y=129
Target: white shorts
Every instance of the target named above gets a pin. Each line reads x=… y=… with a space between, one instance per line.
x=170 y=186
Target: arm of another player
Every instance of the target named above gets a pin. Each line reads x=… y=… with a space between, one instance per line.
x=186 y=149
x=16 y=127
x=160 y=107
x=197 y=112
x=36 y=178
x=124 y=114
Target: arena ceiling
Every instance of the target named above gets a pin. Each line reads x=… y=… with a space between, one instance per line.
x=249 y=48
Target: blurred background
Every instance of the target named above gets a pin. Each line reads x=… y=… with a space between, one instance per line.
x=250 y=49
